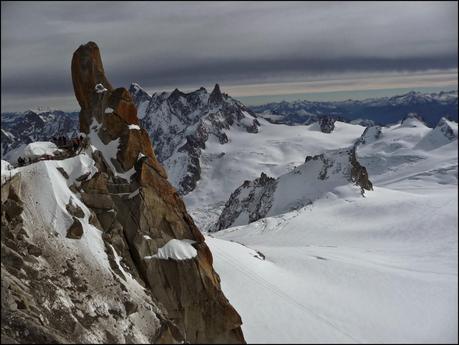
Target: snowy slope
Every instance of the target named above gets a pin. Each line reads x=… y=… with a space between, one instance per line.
x=349 y=269
x=378 y=269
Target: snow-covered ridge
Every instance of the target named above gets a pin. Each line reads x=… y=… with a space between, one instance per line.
x=33 y=151
x=318 y=176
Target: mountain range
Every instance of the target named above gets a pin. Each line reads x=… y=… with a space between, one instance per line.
x=385 y=110
x=191 y=111
x=180 y=125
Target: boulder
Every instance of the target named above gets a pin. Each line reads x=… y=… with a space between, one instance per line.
x=97 y=184
x=97 y=200
x=74 y=209
x=75 y=231
x=12 y=209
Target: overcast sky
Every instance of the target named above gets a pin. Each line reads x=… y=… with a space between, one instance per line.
x=249 y=48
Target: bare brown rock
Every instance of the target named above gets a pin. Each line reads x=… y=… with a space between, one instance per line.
x=74 y=210
x=87 y=72
x=75 y=231
x=148 y=213
x=121 y=101
x=359 y=173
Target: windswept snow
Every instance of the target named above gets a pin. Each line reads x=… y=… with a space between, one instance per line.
x=376 y=269
x=176 y=250
x=48 y=190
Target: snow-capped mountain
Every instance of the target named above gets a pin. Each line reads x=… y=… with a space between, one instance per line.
x=319 y=175
x=385 y=110
x=180 y=125
x=35 y=125
x=444 y=133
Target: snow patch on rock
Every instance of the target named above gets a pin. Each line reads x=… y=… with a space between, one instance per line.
x=176 y=250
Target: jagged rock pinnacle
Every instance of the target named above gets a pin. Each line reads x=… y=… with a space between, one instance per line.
x=87 y=72
x=216 y=95
x=152 y=216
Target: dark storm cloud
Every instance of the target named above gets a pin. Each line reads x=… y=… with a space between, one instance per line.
x=192 y=44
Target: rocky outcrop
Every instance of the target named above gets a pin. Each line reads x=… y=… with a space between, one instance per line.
x=327 y=124
x=444 y=133
x=319 y=175
x=253 y=198
x=76 y=230
x=369 y=135
x=140 y=212
x=445 y=127
x=359 y=174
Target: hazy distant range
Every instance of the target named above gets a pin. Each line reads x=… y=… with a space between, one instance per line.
x=337 y=95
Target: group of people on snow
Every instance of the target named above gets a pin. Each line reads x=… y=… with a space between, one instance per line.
x=74 y=144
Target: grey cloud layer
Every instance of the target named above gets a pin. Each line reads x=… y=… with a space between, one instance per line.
x=176 y=44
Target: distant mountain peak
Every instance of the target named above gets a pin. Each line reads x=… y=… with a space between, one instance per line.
x=41 y=109
x=216 y=96
x=413 y=120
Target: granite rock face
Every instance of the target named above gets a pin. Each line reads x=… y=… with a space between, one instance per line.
x=146 y=212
